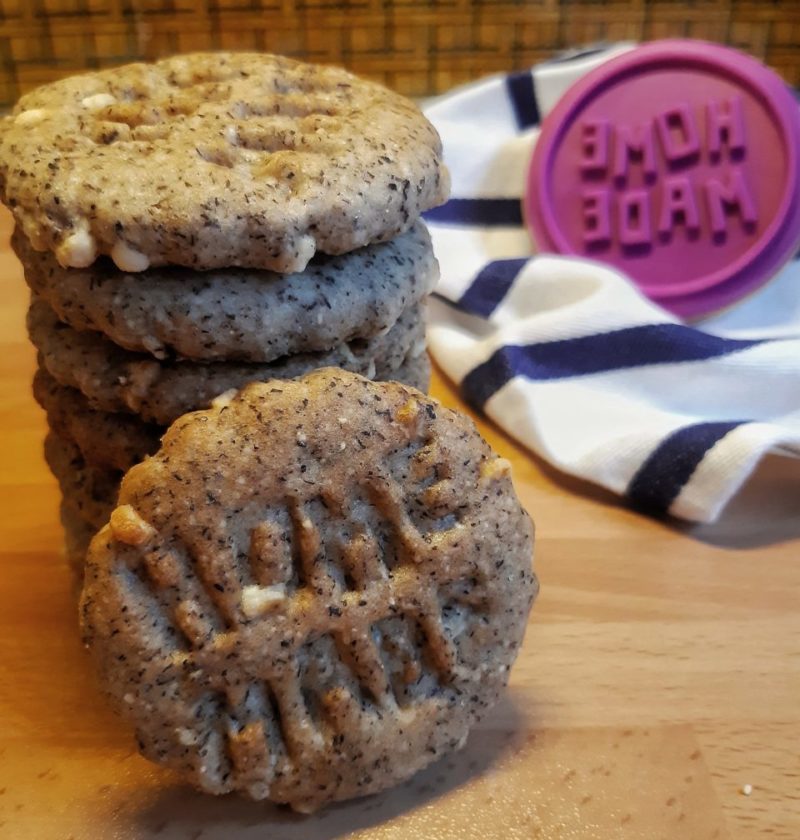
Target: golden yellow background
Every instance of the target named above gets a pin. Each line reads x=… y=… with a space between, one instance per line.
x=416 y=47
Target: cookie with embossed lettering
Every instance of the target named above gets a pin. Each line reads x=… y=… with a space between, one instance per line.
x=239 y=314
x=311 y=591
x=214 y=160
x=117 y=380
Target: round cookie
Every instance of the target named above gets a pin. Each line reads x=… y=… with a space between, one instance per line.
x=116 y=380
x=78 y=534
x=90 y=490
x=236 y=314
x=312 y=591
x=111 y=440
x=119 y=440
x=216 y=159
x=414 y=372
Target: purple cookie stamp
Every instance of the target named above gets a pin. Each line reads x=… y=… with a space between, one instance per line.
x=677 y=163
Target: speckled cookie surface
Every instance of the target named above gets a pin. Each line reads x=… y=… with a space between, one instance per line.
x=116 y=380
x=311 y=591
x=117 y=441
x=414 y=372
x=216 y=159
x=78 y=534
x=236 y=314
x=90 y=490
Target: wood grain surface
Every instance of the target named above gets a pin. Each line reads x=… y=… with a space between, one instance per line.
x=660 y=674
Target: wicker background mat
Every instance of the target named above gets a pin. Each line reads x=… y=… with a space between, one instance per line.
x=416 y=47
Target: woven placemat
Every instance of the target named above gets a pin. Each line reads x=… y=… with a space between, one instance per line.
x=418 y=48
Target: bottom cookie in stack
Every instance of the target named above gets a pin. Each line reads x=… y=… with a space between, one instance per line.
x=78 y=534
x=91 y=490
x=117 y=441
x=88 y=495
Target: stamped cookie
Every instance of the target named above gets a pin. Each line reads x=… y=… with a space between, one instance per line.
x=90 y=490
x=116 y=380
x=111 y=440
x=311 y=591
x=213 y=160
x=236 y=314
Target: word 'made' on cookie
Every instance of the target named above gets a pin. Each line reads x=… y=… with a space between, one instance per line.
x=214 y=160
x=311 y=591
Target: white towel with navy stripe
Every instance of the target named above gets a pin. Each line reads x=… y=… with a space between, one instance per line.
x=569 y=358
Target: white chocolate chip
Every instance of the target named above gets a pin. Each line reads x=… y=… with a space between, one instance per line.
x=224 y=399
x=78 y=250
x=129 y=698
x=306 y=248
x=495 y=469
x=186 y=736
x=154 y=346
x=30 y=117
x=257 y=599
x=127 y=258
x=231 y=134
x=129 y=528
x=98 y=100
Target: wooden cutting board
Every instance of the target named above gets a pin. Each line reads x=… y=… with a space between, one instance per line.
x=660 y=674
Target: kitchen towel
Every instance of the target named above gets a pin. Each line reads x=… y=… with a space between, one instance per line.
x=568 y=357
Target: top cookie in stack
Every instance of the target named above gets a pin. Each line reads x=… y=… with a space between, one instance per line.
x=216 y=160
x=209 y=220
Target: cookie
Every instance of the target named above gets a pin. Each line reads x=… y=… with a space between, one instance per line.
x=78 y=534
x=414 y=372
x=236 y=314
x=311 y=591
x=117 y=380
x=90 y=490
x=117 y=441
x=216 y=159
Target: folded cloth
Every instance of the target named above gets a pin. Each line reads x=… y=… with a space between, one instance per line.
x=569 y=358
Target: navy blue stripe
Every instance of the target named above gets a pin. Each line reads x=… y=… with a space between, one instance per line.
x=490 y=286
x=486 y=212
x=651 y=344
x=574 y=55
x=672 y=463
x=523 y=98
x=446 y=300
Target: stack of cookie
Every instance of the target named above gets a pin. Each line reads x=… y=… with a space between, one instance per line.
x=206 y=221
